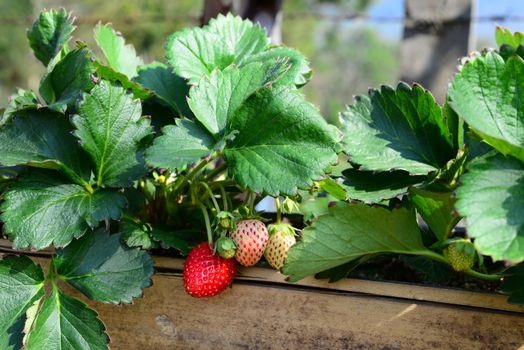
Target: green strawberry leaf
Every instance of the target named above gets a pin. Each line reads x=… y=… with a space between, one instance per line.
x=111 y=128
x=180 y=145
x=504 y=36
x=334 y=188
x=178 y=239
x=352 y=231
x=195 y=52
x=21 y=284
x=374 y=187
x=21 y=101
x=104 y=269
x=65 y=82
x=400 y=129
x=64 y=322
x=513 y=284
x=282 y=144
x=218 y=96
x=486 y=94
x=137 y=234
x=490 y=198
x=49 y=33
x=119 y=56
x=299 y=72
x=166 y=85
x=41 y=209
x=43 y=139
x=242 y=37
x=437 y=210
x=431 y=270
x=109 y=74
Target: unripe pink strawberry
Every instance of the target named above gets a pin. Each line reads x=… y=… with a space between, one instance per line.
x=281 y=238
x=250 y=237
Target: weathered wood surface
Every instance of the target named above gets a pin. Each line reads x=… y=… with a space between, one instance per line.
x=262 y=312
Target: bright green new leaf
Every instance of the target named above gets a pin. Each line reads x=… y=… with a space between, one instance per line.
x=486 y=93
x=349 y=232
x=119 y=56
x=68 y=79
x=400 y=129
x=437 y=210
x=42 y=138
x=49 y=33
x=137 y=234
x=504 y=36
x=167 y=86
x=282 y=144
x=66 y=323
x=105 y=269
x=491 y=200
x=374 y=187
x=40 y=210
x=109 y=74
x=21 y=284
x=242 y=37
x=195 y=52
x=218 y=96
x=111 y=128
x=513 y=284
x=180 y=145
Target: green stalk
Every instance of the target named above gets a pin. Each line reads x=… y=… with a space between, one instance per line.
x=279 y=210
x=208 y=224
x=224 y=198
x=211 y=195
x=216 y=171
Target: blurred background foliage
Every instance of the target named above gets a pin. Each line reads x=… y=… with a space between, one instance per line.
x=348 y=56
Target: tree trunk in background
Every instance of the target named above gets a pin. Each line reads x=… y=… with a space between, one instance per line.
x=266 y=12
x=436 y=34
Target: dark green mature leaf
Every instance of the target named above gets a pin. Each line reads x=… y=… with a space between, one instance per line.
x=195 y=52
x=137 y=234
x=431 y=270
x=40 y=210
x=68 y=79
x=110 y=126
x=42 y=138
x=490 y=198
x=349 y=232
x=21 y=101
x=282 y=144
x=167 y=86
x=218 y=96
x=49 y=33
x=21 y=284
x=299 y=72
x=504 y=36
x=436 y=208
x=104 y=269
x=119 y=56
x=180 y=145
x=374 y=187
x=66 y=323
x=174 y=239
x=513 y=284
x=242 y=38
x=486 y=94
x=400 y=129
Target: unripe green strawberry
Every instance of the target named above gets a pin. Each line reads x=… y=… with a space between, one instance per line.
x=250 y=238
x=281 y=238
x=226 y=247
x=461 y=255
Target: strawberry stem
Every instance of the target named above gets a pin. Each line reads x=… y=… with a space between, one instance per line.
x=224 y=198
x=279 y=210
x=208 y=224
x=211 y=195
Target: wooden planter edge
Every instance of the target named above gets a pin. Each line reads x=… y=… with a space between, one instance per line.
x=400 y=290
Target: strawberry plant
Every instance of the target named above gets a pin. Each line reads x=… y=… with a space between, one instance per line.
x=412 y=161
x=112 y=157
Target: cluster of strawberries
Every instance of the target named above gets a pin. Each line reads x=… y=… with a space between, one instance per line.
x=209 y=271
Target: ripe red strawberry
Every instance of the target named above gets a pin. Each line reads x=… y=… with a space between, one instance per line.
x=205 y=274
x=281 y=238
x=250 y=237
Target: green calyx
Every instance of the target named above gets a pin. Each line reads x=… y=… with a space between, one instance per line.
x=285 y=229
x=461 y=254
x=226 y=220
x=226 y=247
